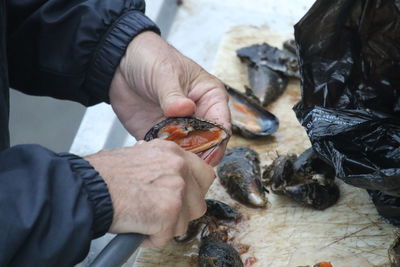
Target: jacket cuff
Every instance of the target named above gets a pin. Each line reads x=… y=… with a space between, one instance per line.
x=97 y=191
x=111 y=49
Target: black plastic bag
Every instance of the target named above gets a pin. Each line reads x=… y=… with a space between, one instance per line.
x=349 y=52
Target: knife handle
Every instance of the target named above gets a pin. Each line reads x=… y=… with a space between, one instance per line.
x=118 y=251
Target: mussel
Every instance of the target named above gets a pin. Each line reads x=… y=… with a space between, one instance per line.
x=394 y=253
x=217 y=212
x=290 y=46
x=301 y=180
x=239 y=173
x=191 y=133
x=317 y=194
x=309 y=162
x=249 y=118
x=216 y=253
x=271 y=57
x=268 y=68
x=221 y=211
x=280 y=173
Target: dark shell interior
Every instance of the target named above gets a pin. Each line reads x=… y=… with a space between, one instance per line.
x=249 y=118
x=191 y=133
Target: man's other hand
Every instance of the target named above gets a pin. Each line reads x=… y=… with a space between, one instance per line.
x=156 y=188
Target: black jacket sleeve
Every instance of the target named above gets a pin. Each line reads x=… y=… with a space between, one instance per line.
x=69 y=49
x=51 y=206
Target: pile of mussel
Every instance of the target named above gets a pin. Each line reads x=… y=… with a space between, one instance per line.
x=306 y=179
x=216 y=229
x=269 y=69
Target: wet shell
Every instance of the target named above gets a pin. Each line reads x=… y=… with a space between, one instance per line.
x=249 y=118
x=271 y=57
x=216 y=211
x=194 y=228
x=290 y=46
x=222 y=211
x=309 y=162
x=394 y=253
x=280 y=173
x=303 y=179
x=266 y=84
x=239 y=173
x=215 y=253
x=318 y=195
x=191 y=133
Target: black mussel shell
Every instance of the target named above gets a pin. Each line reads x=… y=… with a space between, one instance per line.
x=271 y=57
x=314 y=194
x=394 y=253
x=194 y=228
x=188 y=125
x=239 y=173
x=216 y=211
x=290 y=46
x=280 y=173
x=305 y=179
x=309 y=162
x=266 y=84
x=215 y=253
x=249 y=118
x=222 y=211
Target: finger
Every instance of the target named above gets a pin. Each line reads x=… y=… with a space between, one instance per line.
x=175 y=104
x=217 y=111
x=212 y=104
x=183 y=221
x=155 y=241
x=194 y=203
x=202 y=173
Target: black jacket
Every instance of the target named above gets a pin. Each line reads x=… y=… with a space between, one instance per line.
x=52 y=205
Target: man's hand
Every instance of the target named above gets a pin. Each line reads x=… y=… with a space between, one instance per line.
x=156 y=188
x=155 y=81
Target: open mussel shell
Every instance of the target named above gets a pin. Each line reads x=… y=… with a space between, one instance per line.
x=191 y=133
x=249 y=118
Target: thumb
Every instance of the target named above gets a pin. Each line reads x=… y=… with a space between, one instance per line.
x=176 y=104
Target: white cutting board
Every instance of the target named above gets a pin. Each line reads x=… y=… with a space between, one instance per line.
x=349 y=234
